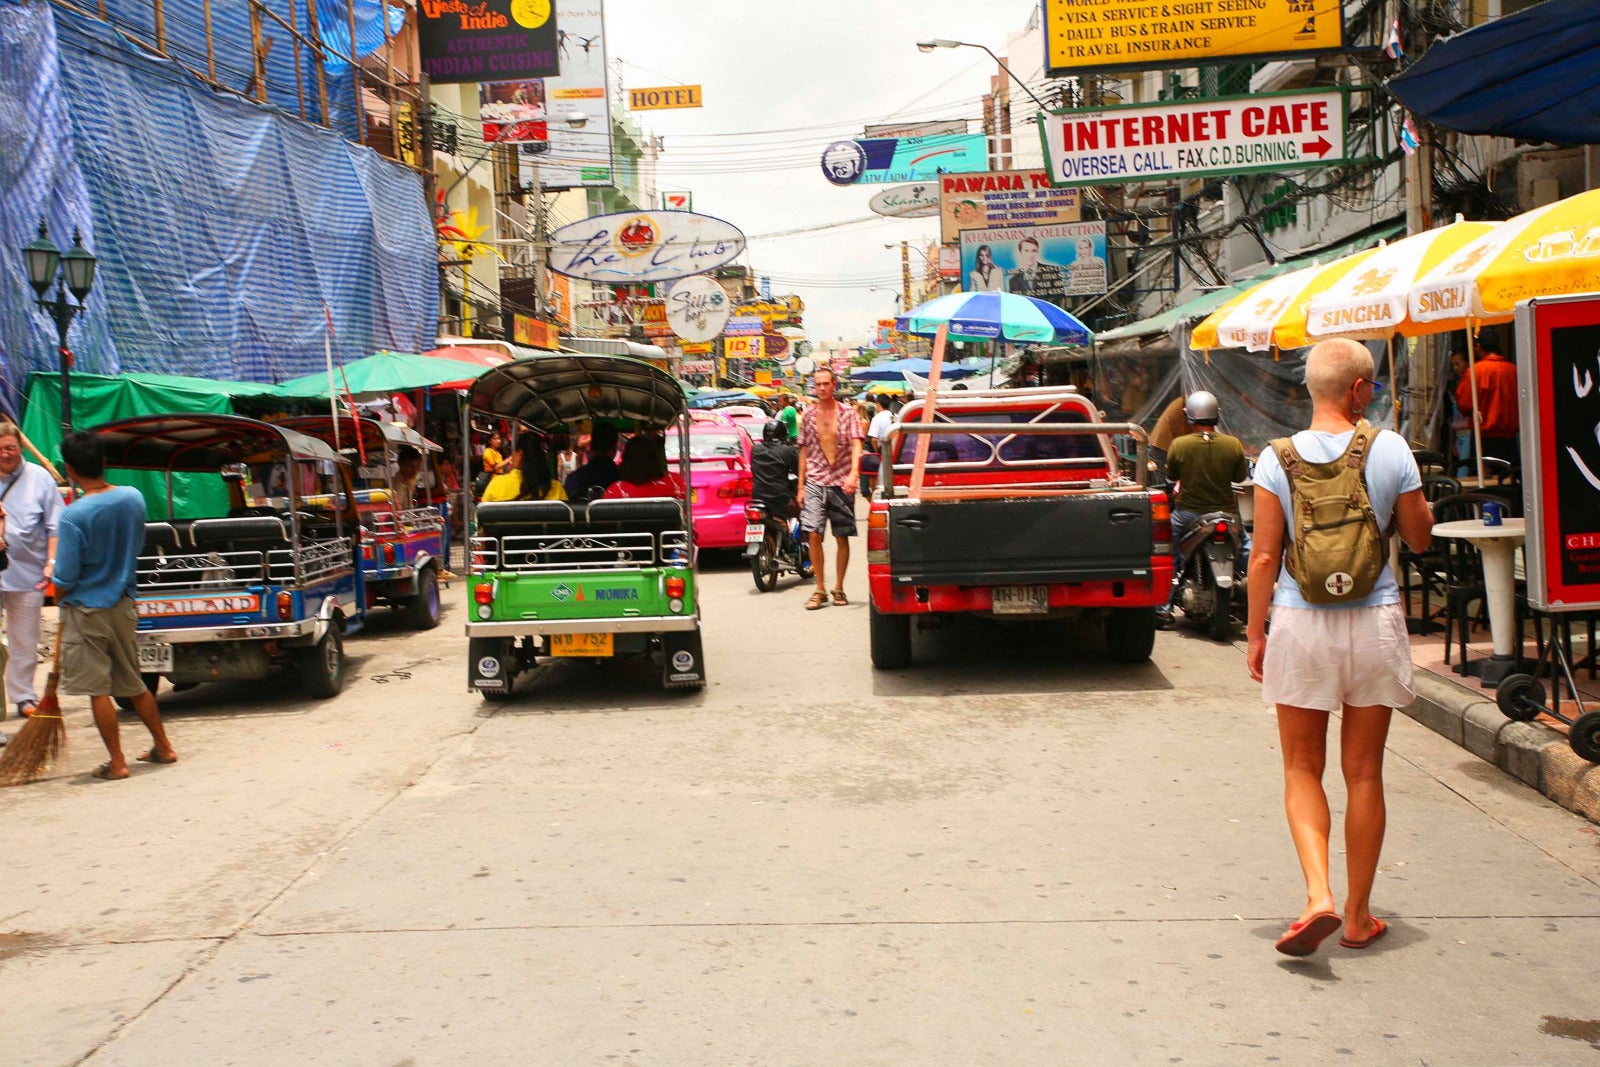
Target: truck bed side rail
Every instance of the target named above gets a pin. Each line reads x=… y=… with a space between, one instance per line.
x=1006 y=429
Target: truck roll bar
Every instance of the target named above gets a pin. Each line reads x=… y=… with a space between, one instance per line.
x=1132 y=429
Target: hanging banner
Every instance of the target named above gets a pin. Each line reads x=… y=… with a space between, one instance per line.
x=569 y=158
x=644 y=246
x=917 y=201
x=697 y=309
x=1049 y=262
x=490 y=40
x=742 y=347
x=905 y=159
x=999 y=198
x=1103 y=35
x=1228 y=135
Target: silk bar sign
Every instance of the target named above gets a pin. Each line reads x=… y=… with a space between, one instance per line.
x=1265 y=132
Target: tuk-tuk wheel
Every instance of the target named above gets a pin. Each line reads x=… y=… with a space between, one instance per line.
x=1520 y=697
x=322 y=665
x=1585 y=738
x=423 y=608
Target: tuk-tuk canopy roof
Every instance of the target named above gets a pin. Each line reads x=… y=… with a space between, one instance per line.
x=374 y=432
x=204 y=443
x=550 y=392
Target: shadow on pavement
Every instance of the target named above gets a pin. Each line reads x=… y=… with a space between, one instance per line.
x=585 y=686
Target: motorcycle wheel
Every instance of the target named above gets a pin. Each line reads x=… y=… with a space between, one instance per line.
x=764 y=566
x=1220 y=625
x=803 y=557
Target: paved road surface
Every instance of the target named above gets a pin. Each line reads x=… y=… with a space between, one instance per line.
x=1016 y=854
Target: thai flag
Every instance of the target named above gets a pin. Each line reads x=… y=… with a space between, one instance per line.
x=1408 y=137
x=1392 y=46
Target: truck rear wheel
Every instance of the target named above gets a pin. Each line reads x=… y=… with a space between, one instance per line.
x=890 y=637
x=1130 y=634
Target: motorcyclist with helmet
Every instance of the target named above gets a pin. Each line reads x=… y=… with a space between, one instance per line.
x=774 y=469
x=1204 y=464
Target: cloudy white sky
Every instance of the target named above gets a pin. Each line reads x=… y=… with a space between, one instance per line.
x=782 y=81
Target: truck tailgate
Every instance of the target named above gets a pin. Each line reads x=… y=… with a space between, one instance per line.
x=1032 y=540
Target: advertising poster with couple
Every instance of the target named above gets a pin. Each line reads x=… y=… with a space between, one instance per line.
x=1047 y=262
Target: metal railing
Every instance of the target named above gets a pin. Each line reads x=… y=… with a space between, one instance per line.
x=314 y=563
x=541 y=553
x=416 y=520
x=199 y=570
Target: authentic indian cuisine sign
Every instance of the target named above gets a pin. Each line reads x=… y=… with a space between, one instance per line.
x=487 y=40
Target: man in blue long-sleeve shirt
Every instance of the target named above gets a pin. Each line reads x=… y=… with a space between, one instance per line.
x=97 y=555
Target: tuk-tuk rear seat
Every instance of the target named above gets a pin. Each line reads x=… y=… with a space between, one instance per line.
x=635 y=518
x=259 y=533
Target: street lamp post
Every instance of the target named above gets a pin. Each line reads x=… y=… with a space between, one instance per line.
x=70 y=272
x=930 y=45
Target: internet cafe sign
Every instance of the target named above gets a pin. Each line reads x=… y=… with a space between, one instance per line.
x=487 y=40
x=1265 y=132
x=1102 y=35
x=644 y=246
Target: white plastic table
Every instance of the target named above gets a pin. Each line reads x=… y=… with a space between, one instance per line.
x=1497 y=547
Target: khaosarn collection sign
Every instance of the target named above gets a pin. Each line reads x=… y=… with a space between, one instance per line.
x=487 y=40
x=1000 y=198
x=1048 y=262
x=1227 y=135
x=644 y=246
x=1558 y=372
x=1103 y=35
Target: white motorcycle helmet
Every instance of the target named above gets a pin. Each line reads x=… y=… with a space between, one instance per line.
x=1201 y=407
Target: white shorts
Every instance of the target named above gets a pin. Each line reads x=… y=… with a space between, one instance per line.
x=1328 y=658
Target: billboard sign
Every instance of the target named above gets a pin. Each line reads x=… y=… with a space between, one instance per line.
x=1048 y=262
x=999 y=198
x=567 y=158
x=1092 y=36
x=513 y=112
x=917 y=129
x=490 y=40
x=918 y=200
x=1558 y=372
x=666 y=98
x=1227 y=135
x=743 y=326
x=742 y=347
x=904 y=159
x=644 y=246
x=697 y=308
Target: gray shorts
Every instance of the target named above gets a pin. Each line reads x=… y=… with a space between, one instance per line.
x=99 y=653
x=828 y=505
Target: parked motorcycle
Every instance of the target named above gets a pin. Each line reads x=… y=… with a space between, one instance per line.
x=1210 y=579
x=773 y=547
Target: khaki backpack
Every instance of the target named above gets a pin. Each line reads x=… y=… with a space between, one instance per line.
x=1337 y=552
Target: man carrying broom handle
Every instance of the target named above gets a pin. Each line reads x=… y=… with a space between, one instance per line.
x=96 y=560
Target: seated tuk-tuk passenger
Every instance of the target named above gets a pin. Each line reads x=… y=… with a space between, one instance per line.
x=595 y=476
x=408 y=465
x=643 y=471
x=529 y=477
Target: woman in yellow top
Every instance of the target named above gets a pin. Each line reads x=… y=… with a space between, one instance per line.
x=529 y=477
x=493 y=462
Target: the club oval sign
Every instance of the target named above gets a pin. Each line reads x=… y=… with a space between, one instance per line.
x=644 y=246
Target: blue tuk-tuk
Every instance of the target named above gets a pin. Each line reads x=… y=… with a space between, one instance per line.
x=272 y=583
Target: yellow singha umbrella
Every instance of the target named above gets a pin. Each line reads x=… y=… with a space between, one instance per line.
x=1272 y=315
x=1372 y=303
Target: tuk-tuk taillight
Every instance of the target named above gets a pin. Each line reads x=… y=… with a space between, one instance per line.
x=285 y=605
x=483 y=593
x=675 y=587
x=388 y=554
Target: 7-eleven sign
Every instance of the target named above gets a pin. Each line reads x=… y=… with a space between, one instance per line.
x=677 y=201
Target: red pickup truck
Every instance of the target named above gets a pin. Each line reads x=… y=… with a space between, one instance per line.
x=1022 y=513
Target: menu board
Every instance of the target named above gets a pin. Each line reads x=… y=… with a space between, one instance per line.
x=1558 y=369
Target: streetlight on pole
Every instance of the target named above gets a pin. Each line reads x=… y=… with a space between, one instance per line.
x=940 y=42
x=70 y=272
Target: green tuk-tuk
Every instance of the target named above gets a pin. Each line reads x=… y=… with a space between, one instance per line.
x=582 y=578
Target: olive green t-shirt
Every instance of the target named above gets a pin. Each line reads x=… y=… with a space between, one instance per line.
x=1206 y=466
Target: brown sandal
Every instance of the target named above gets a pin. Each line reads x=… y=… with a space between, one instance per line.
x=819 y=599
x=839 y=597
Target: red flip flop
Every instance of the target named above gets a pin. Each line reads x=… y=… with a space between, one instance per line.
x=1303 y=938
x=1381 y=929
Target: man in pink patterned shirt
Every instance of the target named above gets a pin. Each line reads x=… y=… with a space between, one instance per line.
x=830 y=466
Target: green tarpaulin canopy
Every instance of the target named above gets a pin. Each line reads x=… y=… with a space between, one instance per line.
x=98 y=398
x=384 y=373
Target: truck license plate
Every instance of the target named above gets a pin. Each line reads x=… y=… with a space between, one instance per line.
x=753 y=533
x=155 y=658
x=1021 y=600
x=580 y=644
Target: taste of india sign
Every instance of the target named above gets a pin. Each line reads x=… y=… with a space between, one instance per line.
x=1104 y=35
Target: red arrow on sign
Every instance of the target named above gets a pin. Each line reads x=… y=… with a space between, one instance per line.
x=1319 y=147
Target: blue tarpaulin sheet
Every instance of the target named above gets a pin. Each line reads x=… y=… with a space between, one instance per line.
x=222 y=227
x=1534 y=75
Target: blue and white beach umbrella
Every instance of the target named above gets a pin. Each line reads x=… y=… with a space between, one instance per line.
x=995 y=316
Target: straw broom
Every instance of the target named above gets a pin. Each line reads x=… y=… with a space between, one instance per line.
x=42 y=739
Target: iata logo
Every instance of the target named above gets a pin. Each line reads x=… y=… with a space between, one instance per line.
x=637 y=236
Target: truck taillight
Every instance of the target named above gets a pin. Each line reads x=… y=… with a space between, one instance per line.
x=285 y=605
x=877 y=531
x=1161 y=523
x=739 y=489
x=675 y=587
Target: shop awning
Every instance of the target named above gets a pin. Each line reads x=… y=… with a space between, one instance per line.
x=1533 y=75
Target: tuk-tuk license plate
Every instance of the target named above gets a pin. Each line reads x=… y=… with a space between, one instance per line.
x=580 y=645
x=1021 y=600
x=155 y=657
x=753 y=533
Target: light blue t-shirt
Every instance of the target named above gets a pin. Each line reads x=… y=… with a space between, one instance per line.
x=97 y=552
x=1391 y=470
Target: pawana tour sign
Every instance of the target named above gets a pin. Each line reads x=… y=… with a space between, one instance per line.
x=487 y=40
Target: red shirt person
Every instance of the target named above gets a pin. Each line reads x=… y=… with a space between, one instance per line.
x=1494 y=380
x=643 y=471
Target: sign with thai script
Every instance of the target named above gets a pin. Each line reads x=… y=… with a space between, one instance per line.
x=999 y=198
x=697 y=309
x=665 y=98
x=916 y=201
x=743 y=347
x=904 y=159
x=1048 y=262
x=1102 y=35
x=535 y=334
x=743 y=326
x=487 y=40
x=644 y=246
x=1233 y=135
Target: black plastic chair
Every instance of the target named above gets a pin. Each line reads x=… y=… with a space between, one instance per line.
x=1430 y=462
x=1426 y=565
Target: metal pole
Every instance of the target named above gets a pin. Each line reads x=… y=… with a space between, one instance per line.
x=539 y=238
x=63 y=316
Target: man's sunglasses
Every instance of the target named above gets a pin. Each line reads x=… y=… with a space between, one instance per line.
x=1377 y=387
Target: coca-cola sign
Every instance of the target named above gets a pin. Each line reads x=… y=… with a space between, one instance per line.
x=697 y=308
